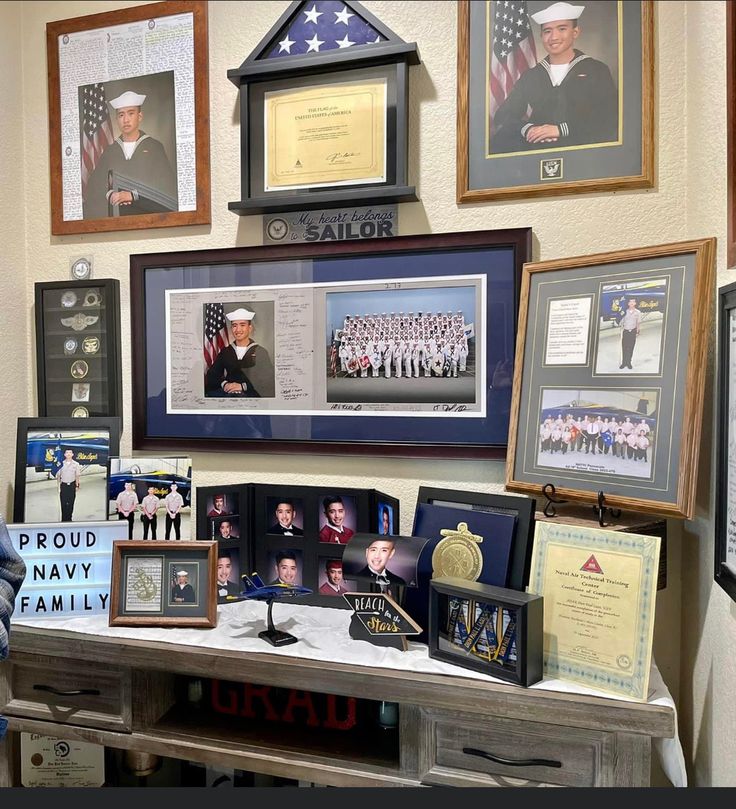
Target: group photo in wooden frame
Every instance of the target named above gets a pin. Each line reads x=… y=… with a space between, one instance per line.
x=554 y=98
x=61 y=468
x=129 y=141
x=609 y=377
x=395 y=347
x=160 y=583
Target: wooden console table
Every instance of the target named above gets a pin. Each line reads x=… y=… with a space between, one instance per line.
x=552 y=738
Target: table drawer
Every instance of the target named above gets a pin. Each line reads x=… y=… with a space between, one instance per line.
x=74 y=692
x=464 y=752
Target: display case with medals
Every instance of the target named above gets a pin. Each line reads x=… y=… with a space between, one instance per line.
x=492 y=630
x=78 y=348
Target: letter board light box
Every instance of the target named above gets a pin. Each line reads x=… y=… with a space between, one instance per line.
x=68 y=568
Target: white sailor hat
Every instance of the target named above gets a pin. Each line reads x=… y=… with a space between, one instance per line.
x=127 y=99
x=240 y=314
x=182 y=573
x=557 y=11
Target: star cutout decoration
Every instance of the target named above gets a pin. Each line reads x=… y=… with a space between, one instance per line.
x=344 y=43
x=285 y=44
x=314 y=44
x=343 y=16
x=313 y=14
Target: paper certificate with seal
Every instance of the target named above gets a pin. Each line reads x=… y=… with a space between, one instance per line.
x=327 y=134
x=599 y=590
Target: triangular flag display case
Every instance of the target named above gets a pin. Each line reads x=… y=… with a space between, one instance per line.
x=324 y=112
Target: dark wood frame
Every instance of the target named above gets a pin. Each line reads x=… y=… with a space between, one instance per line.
x=517 y=239
x=201 y=215
x=391 y=51
x=529 y=634
x=730 y=124
x=525 y=507
x=644 y=180
x=111 y=340
x=692 y=389
x=726 y=305
x=208 y=551
x=110 y=423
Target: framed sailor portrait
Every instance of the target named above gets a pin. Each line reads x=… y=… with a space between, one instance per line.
x=128 y=118
x=609 y=377
x=554 y=97
x=398 y=347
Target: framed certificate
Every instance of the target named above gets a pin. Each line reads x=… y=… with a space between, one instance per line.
x=129 y=118
x=599 y=589
x=609 y=377
x=396 y=346
x=725 y=546
x=324 y=112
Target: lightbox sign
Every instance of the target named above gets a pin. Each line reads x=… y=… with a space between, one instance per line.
x=67 y=567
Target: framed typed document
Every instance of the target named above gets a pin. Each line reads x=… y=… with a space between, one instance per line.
x=609 y=377
x=398 y=346
x=554 y=98
x=129 y=118
x=324 y=112
x=725 y=547
x=599 y=589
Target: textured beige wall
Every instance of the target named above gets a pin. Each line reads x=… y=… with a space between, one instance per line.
x=687 y=201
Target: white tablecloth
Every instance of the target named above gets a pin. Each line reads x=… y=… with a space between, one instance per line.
x=323 y=635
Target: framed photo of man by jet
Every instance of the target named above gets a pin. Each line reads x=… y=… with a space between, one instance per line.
x=554 y=98
x=398 y=346
x=609 y=377
x=129 y=118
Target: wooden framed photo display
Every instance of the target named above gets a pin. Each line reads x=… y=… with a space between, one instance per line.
x=160 y=583
x=399 y=346
x=554 y=98
x=725 y=546
x=609 y=377
x=129 y=118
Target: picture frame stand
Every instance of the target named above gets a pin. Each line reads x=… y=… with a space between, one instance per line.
x=275 y=636
x=601 y=510
x=549 y=493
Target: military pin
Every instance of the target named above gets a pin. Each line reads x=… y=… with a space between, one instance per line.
x=68 y=299
x=92 y=298
x=91 y=345
x=81 y=269
x=80 y=413
x=70 y=345
x=79 y=322
x=80 y=392
x=79 y=369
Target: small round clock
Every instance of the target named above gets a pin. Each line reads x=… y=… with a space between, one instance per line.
x=81 y=269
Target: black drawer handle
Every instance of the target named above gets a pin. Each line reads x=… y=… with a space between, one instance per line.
x=74 y=693
x=511 y=762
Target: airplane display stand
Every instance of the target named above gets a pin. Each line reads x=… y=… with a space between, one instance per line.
x=275 y=636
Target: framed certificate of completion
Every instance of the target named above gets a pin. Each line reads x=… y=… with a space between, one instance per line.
x=609 y=377
x=599 y=590
x=323 y=104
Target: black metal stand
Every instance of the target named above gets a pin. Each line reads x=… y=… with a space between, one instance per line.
x=549 y=492
x=601 y=509
x=274 y=636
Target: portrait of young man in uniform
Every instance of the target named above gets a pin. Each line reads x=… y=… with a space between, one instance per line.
x=244 y=368
x=144 y=169
x=568 y=98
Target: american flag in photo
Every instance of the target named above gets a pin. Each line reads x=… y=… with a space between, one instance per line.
x=96 y=129
x=216 y=336
x=513 y=51
x=322 y=25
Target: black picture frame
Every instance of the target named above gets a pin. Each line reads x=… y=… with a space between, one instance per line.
x=725 y=540
x=489 y=261
x=256 y=546
x=43 y=453
x=527 y=609
x=524 y=509
x=388 y=57
x=95 y=348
